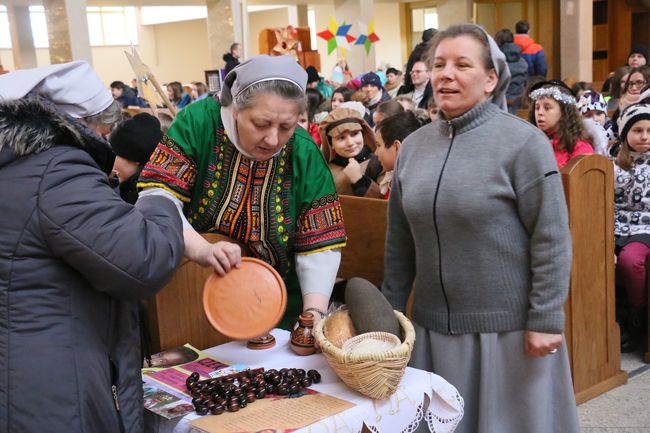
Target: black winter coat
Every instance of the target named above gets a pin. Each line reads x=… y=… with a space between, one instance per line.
x=74 y=259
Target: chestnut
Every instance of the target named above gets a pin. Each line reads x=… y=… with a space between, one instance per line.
x=201 y=410
x=217 y=409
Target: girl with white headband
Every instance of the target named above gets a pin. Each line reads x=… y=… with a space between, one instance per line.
x=556 y=115
x=240 y=167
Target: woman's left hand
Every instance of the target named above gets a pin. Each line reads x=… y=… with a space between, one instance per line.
x=539 y=344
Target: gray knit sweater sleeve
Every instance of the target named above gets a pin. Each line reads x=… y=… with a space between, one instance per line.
x=542 y=210
x=399 y=254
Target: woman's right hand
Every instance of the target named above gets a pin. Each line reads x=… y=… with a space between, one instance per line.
x=222 y=256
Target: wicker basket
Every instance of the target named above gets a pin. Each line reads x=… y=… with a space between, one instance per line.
x=375 y=375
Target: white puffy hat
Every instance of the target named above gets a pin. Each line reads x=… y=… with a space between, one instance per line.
x=74 y=87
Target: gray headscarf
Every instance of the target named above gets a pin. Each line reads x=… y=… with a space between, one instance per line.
x=256 y=70
x=502 y=70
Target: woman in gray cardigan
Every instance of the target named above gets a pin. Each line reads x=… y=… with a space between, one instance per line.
x=478 y=222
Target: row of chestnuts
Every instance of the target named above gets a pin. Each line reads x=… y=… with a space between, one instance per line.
x=237 y=390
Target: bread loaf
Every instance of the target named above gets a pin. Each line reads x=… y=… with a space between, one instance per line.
x=339 y=328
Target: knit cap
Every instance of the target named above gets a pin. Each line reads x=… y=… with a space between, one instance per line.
x=312 y=75
x=372 y=79
x=639 y=49
x=592 y=101
x=135 y=139
x=630 y=116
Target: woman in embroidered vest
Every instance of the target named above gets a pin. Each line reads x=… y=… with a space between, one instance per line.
x=478 y=222
x=240 y=167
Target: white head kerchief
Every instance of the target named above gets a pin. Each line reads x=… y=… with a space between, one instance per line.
x=73 y=87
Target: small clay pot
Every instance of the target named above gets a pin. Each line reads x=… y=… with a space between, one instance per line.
x=302 y=339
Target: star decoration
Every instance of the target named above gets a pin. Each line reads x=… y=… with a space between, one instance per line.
x=337 y=36
x=369 y=37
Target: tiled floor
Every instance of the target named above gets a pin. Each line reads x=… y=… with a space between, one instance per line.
x=625 y=409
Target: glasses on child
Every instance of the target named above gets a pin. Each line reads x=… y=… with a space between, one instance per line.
x=639 y=83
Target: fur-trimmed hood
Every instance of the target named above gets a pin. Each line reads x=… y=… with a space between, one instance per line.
x=33 y=124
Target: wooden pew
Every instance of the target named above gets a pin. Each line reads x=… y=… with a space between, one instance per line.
x=523 y=113
x=175 y=315
x=365 y=225
x=592 y=334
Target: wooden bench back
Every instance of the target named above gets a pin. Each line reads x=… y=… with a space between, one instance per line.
x=365 y=221
x=591 y=332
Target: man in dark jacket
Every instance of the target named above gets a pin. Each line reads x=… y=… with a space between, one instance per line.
x=532 y=52
x=74 y=259
x=232 y=58
x=417 y=55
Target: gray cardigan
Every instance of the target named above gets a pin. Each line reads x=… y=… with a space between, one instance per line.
x=477 y=219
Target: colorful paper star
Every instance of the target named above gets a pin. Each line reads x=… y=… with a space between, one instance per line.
x=337 y=36
x=369 y=37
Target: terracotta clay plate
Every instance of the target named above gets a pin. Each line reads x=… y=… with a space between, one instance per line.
x=247 y=302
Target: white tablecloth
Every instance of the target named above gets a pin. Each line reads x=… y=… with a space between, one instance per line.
x=419 y=394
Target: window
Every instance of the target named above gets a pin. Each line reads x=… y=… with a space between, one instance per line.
x=422 y=19
x=168 y=14
x=106 y=26
x=311 y=22
x=5 y=35
x=39 y=26
x=112 y=25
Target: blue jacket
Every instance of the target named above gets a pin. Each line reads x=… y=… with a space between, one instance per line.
x=533 y=53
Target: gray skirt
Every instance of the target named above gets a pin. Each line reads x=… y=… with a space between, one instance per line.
x=505 y=391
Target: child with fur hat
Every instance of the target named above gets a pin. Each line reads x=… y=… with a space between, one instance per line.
x=593 y=108
x=348 y=145
x=632 y=216
x=133 y=141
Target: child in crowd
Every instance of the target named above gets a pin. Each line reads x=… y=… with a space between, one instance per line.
x=386 y=109
x=432 y=109
x=406 y=102
x=579 y=88
x=593 y=108
x=556 y=115
x=637 y=80
x=306 y=119
x=390 y=134
x=393 y=81
x=133 y=141
x=632 y=220
x=616 y=84
x=348 y=145
x=340 y=95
